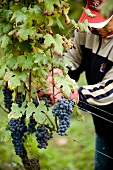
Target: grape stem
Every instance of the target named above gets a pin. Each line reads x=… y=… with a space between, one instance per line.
x=56 y=123
x=49 y=119
x=4 y=109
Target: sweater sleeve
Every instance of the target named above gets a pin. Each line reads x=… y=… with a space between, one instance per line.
x=99 y=94
x=75 y=54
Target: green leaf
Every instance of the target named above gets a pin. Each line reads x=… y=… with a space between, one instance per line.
x=26 y=46
x=1 y=85
x=66 y=83
x=16 y=111
x=29 y=62
x=19 y=17
x=56 y=40
x=5 y=39
x=49 y=4
x=59 y=23
x=35 y=9
x=23 y=33
x=5 y=135
x=30 y=109
x=78 y=114
x=89 y=13
x=7 y=27
x=5 y=15
x=39 y=115
x=12 y=62
x=15 y=77
x=2 y=71
x=41 y=58
x=21 y=60
x=13 y=31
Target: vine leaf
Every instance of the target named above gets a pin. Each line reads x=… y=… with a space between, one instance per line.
x=56 y=40
x=23 y=33
x=6 y=27
x=16 y=111
x=35 y=9
x=5 y=135
x=15 y=78
x=5 y=39
x=12 y=62
x=39 y=116
x=59 y=23
x=30 y=109
x=19 y=16
x=66 y=83
x=77 y=112
x=41 y=58
x=49 y=4
x=2 y=71
x=29 y=62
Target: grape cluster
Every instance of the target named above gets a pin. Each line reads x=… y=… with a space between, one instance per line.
x=17 y=128
x=41 y=40
x=46 y=100
x=7 y=97
x=63 y=110
x=31 y=125
x=43 y=134
x=19 y=99
x=35 y=101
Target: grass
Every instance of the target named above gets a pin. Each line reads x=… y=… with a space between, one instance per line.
x=72 y=152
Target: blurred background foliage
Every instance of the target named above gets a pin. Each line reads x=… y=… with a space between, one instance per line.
x=74 y=152
x=74 y=13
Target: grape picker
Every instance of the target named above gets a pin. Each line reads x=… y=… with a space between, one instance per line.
x=94 y=55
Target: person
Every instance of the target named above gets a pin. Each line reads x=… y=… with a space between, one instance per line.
x=94 y=55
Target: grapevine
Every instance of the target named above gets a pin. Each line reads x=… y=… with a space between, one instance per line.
x=30 y=50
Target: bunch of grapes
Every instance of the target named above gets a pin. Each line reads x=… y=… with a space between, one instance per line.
x=63 y=110
x=17 y=128
x=19 y=99
x=35 y=101
x=46 y=100
x=7 y=97
x=31 y=125
x=43 y=134
x=41 y=40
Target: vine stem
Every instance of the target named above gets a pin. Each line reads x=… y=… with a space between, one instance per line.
x=53 y=82
x=49 y=119
x=29 y=164
x=3 y=109
x=30 y=86
x=52 y=77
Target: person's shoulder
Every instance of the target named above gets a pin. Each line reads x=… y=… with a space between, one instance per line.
x=83 y=36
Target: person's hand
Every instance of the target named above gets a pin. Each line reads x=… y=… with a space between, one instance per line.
x=56 y=91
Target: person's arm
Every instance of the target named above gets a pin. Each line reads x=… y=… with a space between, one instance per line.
x=99 y=94
x=75 y=54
